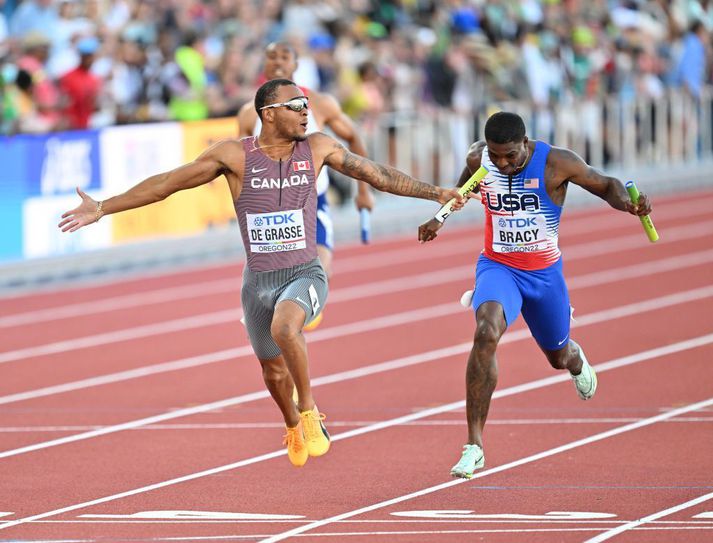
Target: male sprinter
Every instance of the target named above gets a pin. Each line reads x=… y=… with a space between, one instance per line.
x=272 y=181
x=324 y=111
x=520 y=268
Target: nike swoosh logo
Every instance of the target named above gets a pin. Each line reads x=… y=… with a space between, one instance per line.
x=561 y=342
x=258 y=171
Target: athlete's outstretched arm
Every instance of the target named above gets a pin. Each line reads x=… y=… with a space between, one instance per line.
x=569 y=166
x=428 y=231
x=216 y=160
x=379 y=176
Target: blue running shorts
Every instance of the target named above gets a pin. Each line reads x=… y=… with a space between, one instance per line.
x=540 y=295
x=325 y=229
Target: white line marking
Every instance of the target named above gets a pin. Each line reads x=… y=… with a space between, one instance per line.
x=467 y=514
x=127 y=334
x=438 y=354
x=359 y=291
x=232 y=285
x=344 y=424
x=580 y=281
x=635 y=523
x=479 y=475
x=382 y=533
x=540 y=383
x=672 y=523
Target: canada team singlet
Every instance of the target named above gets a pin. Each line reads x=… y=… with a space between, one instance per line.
x=277 y=208
x=521 y=222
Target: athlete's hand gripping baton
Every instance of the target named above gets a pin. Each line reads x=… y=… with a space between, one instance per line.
x=364 y=219
x=646 y=221
x=467 y=187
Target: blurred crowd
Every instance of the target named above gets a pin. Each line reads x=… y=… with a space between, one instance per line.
x=74 y=64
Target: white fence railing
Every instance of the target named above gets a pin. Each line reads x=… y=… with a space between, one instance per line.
x=431 y=144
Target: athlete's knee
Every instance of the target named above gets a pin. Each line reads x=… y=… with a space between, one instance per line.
x=486 y=338
x=284 y=331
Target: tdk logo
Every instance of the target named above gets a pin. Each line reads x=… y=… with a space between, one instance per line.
x=276 y=220
x=512 y=202
x=516 y=222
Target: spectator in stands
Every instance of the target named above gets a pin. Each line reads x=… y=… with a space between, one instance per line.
x=81 y=87
x=45 y=95
x=690 y=70
x=34 y=16
x=187 y=82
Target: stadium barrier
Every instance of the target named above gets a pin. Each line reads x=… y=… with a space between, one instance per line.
x=664 y=144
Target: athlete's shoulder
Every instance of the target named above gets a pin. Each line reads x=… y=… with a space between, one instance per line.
x=476 y=148
x=246 y=119
x=563 y=164
x=474 y=157
x=320 y=139
x=561 y=154
x=325 y=104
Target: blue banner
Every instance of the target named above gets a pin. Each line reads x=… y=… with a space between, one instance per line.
x=60 y=162
x=14 y=154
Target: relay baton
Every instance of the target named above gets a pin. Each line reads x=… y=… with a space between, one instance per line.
x=646 y=221
x=365 y=222
x=467 y=187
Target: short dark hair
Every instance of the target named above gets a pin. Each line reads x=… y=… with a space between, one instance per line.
x=267 y=92
x=504 y=127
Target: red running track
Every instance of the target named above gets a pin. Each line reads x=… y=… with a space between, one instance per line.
x=134 y=410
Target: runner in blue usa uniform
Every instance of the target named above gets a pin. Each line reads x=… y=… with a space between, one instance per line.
x=520 y=267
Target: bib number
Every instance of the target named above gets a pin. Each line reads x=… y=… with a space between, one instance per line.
x=276 y=232
x=520 y=234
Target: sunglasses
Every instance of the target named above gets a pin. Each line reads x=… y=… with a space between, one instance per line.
x=296 y=104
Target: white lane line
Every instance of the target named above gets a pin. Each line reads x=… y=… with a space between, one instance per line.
x=332 y=332
x=124 y=301
x=341 y=295
x=232 y=285
x=539 y=383
x=344 y=424
x=498 y=469
x=95 y=519
x=127 y=334
x=251 y=537
x=635 y=523
x=438 y=354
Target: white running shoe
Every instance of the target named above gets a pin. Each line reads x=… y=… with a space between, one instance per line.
x=473 y=458
x=586 y=381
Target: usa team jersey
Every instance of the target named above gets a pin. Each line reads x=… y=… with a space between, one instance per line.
x=521 y=222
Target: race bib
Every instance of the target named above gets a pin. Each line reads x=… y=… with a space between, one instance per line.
x=521 y=234
x=276 y=232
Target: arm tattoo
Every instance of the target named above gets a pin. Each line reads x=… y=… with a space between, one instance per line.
x=385 y=178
